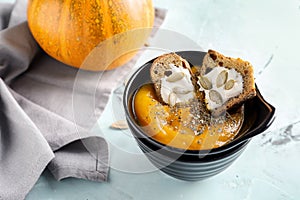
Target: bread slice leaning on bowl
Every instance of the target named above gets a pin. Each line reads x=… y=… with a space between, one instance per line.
x=173 y=79
x=221 y=83
x=232 y=79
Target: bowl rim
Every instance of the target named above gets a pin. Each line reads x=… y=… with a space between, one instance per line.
x=268 y=120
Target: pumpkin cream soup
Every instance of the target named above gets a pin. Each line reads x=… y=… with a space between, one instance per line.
x=184 y=126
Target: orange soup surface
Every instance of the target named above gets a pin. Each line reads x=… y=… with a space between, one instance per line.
x=182 y=127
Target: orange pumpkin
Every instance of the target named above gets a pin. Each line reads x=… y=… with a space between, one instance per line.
x=70 y=30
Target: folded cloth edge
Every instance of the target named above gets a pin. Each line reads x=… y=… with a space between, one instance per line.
x=43 y=152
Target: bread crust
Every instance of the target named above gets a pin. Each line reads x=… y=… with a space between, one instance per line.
x=213 y=59
x=160 y=67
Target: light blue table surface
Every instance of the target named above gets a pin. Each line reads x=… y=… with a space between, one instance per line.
x=267 y=33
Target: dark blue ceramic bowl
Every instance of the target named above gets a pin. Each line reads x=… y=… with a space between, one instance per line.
x=192 y=165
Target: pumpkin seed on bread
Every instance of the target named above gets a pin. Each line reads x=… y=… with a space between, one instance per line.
x=221 y=83
x=232 y=81
x=171 y=75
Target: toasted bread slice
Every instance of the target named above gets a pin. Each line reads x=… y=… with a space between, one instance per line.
x=226 y=82
x=172 y=78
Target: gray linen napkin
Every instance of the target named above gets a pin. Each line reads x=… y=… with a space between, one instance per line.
x=37 y=124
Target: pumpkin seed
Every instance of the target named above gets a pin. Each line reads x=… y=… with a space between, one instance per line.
x=121 y=124
x=229 y=84
x=172 y=99
x=204 y=82
x=175 y=77
x=180 y=90
x=215 y=96
x=222 y=78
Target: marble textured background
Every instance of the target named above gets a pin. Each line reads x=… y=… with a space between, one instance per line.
x=267 y=34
